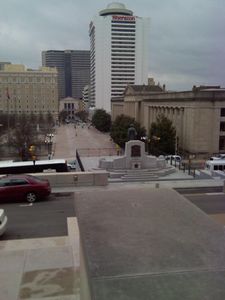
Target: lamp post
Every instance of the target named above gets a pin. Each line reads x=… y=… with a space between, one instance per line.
x=48 y=141
x=154 y=138
x=1 y=125
x=145 y=140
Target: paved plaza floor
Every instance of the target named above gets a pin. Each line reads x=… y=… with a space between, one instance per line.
x=68 y=139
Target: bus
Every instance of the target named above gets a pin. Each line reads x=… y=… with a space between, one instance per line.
x=215 y=165
x=38 y=166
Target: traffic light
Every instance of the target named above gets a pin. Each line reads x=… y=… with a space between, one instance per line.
x=32 y=149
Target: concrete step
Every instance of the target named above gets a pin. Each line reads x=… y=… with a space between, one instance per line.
x=137 y=171
x=139 y=175
x=116 y=175
x=136 y=179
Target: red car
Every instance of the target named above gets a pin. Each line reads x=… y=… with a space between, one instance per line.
x=22 y=187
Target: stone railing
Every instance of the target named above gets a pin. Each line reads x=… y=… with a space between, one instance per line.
x=97 y=178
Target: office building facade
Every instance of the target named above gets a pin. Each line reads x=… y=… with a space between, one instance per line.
x=118 y=53
x=25 y=91
x=73 y=67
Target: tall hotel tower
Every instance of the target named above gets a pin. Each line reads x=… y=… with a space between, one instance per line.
x=118 y=53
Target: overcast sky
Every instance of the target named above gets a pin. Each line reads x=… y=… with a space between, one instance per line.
x=186 y=37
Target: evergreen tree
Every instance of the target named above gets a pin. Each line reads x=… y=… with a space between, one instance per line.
x=120 y=127
x=162 y=136
x=101 y=120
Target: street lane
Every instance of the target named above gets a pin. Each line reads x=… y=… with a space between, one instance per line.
x=44 y=218
x=209 y=203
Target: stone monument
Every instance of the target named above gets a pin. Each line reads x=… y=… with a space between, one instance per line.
x=135 y=164
x=133 y=158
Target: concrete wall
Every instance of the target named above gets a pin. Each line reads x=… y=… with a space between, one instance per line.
x=98 y=178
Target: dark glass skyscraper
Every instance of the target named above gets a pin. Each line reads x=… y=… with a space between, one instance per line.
x=73 y=70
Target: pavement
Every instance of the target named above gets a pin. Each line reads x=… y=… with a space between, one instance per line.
x=48 y=268
x=43 y=268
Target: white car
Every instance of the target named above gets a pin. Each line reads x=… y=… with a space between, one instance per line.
x=3 y=221
x=72 y=165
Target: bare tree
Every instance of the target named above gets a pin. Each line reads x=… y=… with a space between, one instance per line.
x=24 y=135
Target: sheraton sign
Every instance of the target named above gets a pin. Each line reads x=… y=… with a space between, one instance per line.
x=123 y=18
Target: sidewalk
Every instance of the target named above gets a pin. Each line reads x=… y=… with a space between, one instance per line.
x=45 y=268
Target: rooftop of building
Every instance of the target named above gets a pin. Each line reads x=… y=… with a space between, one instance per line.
x=116 y=8
x=157 y=92
x=146 y=88
x=19 y=68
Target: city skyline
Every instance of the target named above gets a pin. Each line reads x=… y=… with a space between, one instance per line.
x=186 y=40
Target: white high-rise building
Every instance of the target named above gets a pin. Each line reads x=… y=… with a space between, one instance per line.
x=118 y=53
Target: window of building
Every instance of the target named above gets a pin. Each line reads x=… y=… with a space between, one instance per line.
x=222 y=112
x=222 y=126
x=222 y=143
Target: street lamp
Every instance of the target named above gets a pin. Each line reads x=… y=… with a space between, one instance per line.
x=1 y=125
x=153 y=138
x=48 y=141
x=145 y=140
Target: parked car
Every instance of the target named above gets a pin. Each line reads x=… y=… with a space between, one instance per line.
x=23 y=187
x=3 y=221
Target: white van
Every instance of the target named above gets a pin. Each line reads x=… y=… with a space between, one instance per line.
x=215 y=165
x=72 y=165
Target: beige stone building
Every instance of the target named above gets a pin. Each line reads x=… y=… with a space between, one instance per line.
x=28 y=91
x=198 y=115
x=71 y=106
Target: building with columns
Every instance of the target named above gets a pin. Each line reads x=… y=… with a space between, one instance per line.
x=71 y=106
x=198 y=115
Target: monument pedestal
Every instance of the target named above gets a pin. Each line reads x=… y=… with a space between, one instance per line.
x=134 y=158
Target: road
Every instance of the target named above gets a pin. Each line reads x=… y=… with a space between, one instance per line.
x=209 y=203
x=44 y=218
x=48 y=217
x=212 y=204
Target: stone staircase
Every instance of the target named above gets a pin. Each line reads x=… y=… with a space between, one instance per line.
x=139 y=174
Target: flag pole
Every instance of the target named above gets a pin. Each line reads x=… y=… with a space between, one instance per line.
x=8 y=97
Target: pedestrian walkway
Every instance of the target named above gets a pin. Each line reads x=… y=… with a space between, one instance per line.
x=45 y=268
x=68 y=139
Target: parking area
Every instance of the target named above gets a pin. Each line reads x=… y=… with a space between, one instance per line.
x=45 y=218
